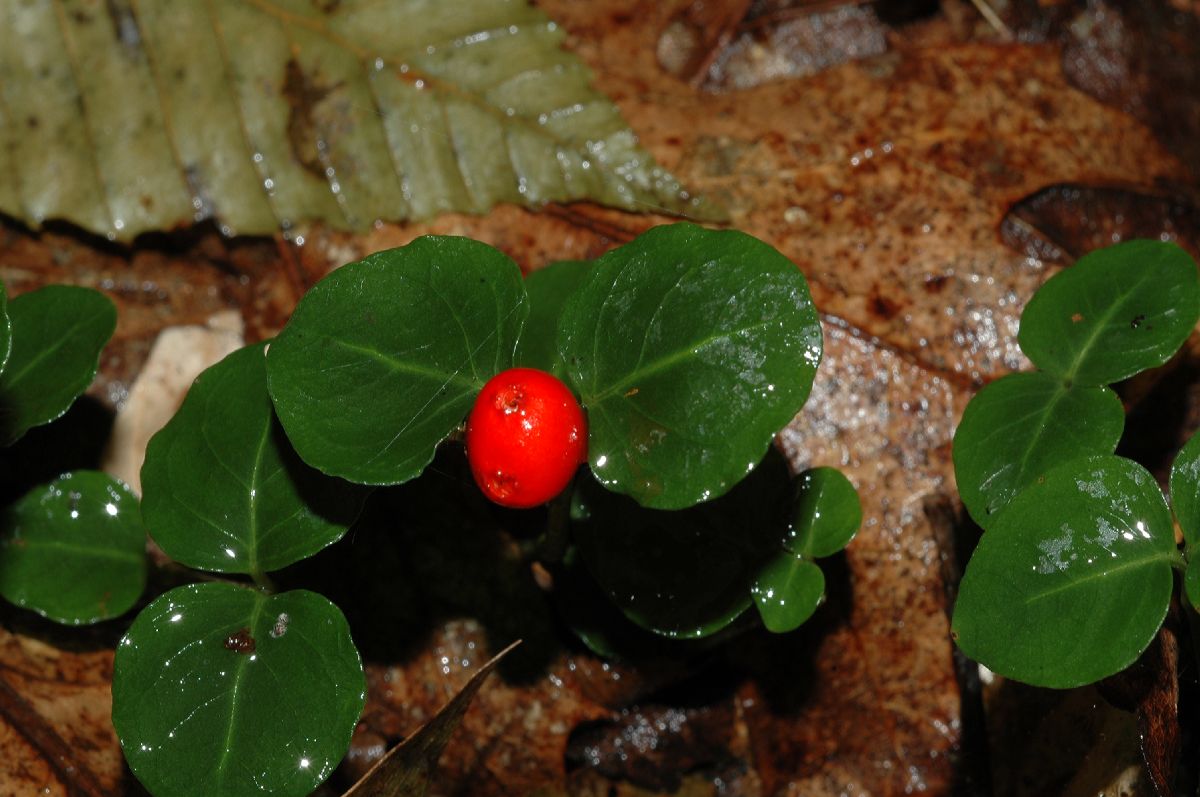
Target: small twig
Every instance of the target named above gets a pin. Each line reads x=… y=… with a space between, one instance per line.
x=988 y=13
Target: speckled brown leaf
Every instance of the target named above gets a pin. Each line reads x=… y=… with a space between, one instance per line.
x=125 y=117
x=55 y=734
x=407 y=769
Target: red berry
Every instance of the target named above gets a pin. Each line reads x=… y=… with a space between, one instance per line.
x=526 y=435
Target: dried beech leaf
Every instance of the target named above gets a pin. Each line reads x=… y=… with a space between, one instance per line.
x=126 y=118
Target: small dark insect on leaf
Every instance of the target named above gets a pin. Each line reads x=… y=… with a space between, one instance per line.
x=1137 y=320
x=240 y=642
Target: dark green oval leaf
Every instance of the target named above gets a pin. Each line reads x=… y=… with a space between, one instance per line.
x=383 y=358
x=686 y=573
x=548 y=289
x=219 y=689
x=690 y=349
x=1020 y=426
x=57 y=335
x=74 y=550
x=1185 y=489
x=223 y=489
x=1191 y=582
x=585 y=608
x=787 y=592
x=1072 y=582
x=827 y=513
x=1116 y=312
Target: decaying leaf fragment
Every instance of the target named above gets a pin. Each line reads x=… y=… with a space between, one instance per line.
x=406 y=770
x=124 y=116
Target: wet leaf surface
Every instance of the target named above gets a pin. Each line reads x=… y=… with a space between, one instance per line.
x=58 y=332
x=220 y=689
x=1021 y=425
x=548 y=289
x=5 y=328
x=827 y=513
x=365 y=378
x=1115 y=313
x=124 y=119
x=1185 y=490
x=1072 y=582
x=74 y=550
x=689 y=348
x=787 y=591
x=686 y=573
x=224 y=490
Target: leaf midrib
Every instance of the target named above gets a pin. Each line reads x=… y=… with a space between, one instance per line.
x=238 y=672
x=671 y=359
x=114 y=554
x=406 y=367
x=1097 y=330
x=252 y=500
x=10 y=380
x=1046 y=410
x=1164 y=557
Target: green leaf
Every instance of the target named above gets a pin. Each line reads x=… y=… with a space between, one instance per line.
x=224 y=490
x=690 y=349
x=408 y=768
x=5 y=329
x=1020 y=426
x=148 y=116
x=787 y=592
x=548 y=289
x=220 y=689
x=383 y=358
x=827 y=513
x=57 y=335
x=588 y=611
x=1185 y=489
x=1191 y=582
x=1116 y=312
x=686 y=573
x=1072 y=582
x=74 y=550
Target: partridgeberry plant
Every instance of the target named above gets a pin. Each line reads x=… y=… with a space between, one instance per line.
x=1073 y=575
x=637 y=394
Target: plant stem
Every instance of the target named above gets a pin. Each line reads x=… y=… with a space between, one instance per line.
x=558 y=528
x=263 y=581
x=1179 y=560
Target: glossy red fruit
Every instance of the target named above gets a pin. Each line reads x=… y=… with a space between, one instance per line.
x=526 y=435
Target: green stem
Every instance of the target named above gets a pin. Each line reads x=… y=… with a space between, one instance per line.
x=263 y=582
x=1179 y=560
